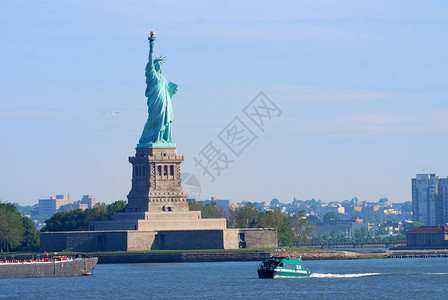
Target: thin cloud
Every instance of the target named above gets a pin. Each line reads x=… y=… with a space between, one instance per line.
x=327 y=94
x=367 y=125
x=26 y=114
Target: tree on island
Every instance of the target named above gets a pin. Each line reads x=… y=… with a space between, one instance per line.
x=411 y=226
x=302 y=227
x=16 y=232
x=289 y=229
x=210 y=210
x=117 y=206
x=244 y=217
x=275 y=219
x=31 y=237
x=332 y=215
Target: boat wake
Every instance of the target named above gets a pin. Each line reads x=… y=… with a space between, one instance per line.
x=318 y=275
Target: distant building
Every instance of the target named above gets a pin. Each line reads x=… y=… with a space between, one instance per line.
x=392 y=226
x=87 y=201
x=63 y=203
x=353 y=208
x=331 y=207
x=442 y=193
x=372 y=208
x=52 y=205
x=347 y=226
x=406 y=210
x=224 y=204
x=391 y=211
x=428 y=237
x=237 y=205
x=262 y=206
x=429 y=199
x=345 y=221
x=73 y=206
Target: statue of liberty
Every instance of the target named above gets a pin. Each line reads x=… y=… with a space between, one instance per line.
x=157 y=130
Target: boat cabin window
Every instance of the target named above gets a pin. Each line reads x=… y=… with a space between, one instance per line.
x=294 y=267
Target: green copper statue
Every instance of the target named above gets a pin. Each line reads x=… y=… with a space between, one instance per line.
x=157 y=130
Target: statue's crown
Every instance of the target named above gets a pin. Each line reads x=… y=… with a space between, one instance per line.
x=160 y=59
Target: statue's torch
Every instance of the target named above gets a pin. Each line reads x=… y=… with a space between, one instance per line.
x=152 y=35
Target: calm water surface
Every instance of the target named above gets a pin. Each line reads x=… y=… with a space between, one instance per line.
x=405 y=278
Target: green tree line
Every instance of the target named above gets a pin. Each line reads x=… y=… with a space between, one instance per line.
x=17 y=233
x=364 y=235
x=289 y=229
x=79 y=219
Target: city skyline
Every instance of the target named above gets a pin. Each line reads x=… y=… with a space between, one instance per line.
x=360 y=90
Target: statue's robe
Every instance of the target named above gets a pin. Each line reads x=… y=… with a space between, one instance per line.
x=160 y=112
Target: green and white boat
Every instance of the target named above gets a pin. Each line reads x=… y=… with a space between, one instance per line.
x=282 y=267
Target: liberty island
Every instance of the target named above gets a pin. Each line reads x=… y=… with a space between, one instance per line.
x=157 y=216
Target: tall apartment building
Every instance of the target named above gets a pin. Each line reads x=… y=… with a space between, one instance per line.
x=429 y=199
x=443 y=194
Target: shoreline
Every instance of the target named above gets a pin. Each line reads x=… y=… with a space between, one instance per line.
x=227 y=256
x=246 y=255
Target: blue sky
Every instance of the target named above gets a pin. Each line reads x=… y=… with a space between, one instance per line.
x=361 y=85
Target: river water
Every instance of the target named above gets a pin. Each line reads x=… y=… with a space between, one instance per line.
x=399 y=278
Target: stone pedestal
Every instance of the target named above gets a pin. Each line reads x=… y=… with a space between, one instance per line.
x=157 y=200
x=156 y=181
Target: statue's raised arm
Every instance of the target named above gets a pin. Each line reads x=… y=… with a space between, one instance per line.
x=151 y=39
